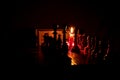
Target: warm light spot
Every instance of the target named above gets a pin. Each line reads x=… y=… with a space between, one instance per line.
x=71 y=30
x=73 y=62
x=71 y=35
x=72 y=44
x=72 y=56
x=67 y=43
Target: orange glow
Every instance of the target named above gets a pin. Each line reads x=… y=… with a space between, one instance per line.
x=40 y=33
x=76 y=59
x=71 y=30
x=71 y=35
x=72 y=56
x=73 y=62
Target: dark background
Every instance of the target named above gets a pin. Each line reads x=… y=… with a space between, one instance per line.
x=87 y=14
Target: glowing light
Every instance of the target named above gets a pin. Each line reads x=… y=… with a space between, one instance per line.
x=73 y=62
x=72 y=44
x=71 y=35
x=68 y=43
x=73 y=59
x=71 y=30
x=71 y=38
x=72 y=56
